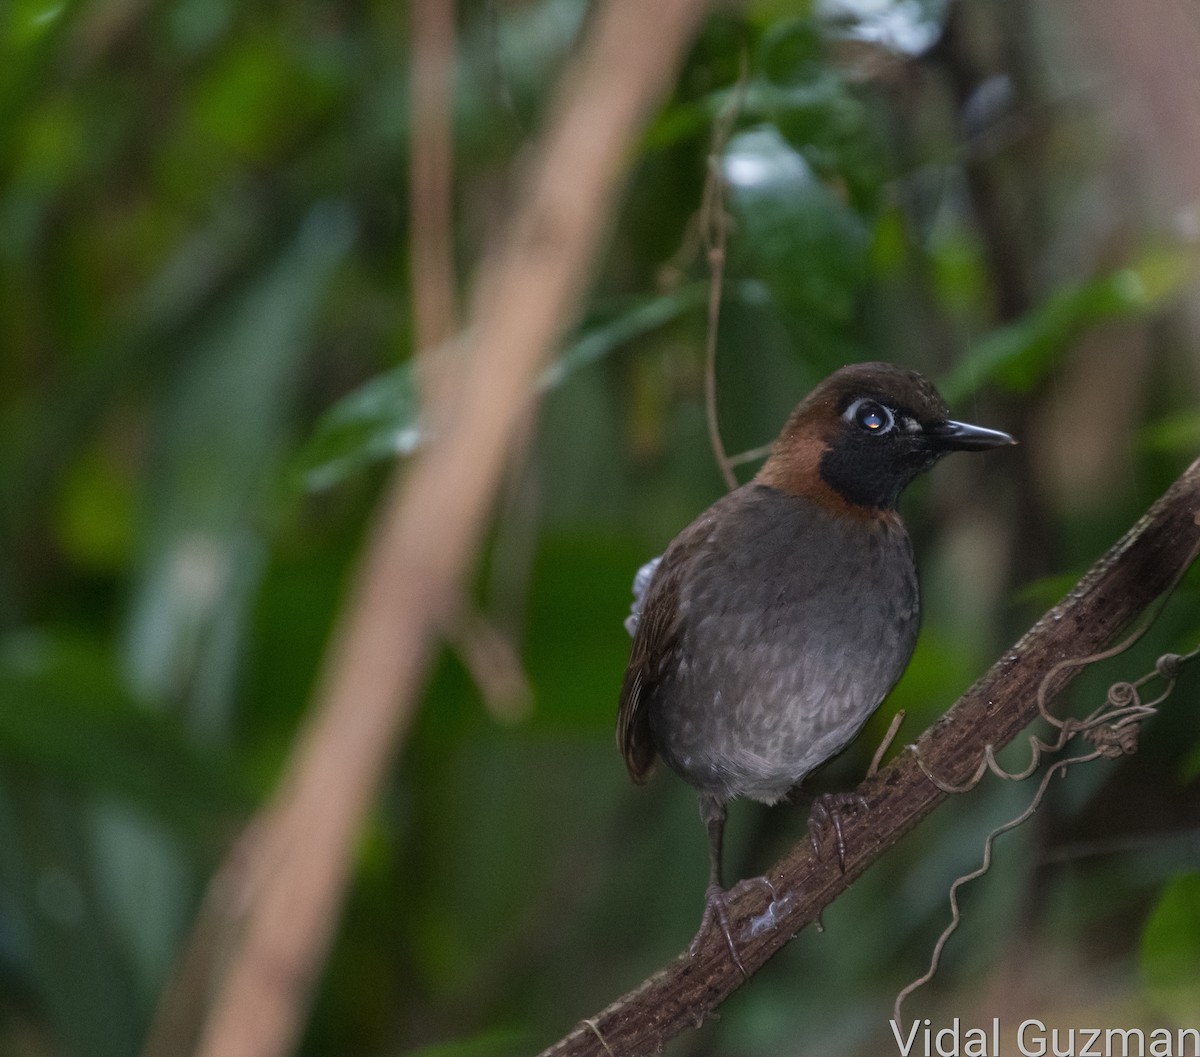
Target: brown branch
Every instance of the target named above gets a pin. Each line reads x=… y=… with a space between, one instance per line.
x=272 y=908
x=715 y=224
x=488 y=656
x=992 y=712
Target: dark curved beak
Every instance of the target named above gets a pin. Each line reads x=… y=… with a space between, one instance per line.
x=962 y=436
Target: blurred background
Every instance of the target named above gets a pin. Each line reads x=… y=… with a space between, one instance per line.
x=207 y=327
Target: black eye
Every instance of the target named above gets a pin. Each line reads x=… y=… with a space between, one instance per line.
x=870 y=417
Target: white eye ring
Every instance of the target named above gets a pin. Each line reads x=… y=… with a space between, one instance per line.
x=870 y=416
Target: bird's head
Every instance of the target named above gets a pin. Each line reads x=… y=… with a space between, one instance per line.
x=864 y=433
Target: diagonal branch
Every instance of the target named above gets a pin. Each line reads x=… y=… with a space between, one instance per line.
x=999 y=706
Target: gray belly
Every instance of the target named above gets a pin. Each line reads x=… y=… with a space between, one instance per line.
x=778 y=667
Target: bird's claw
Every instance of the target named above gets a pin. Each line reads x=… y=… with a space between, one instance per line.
x=716 y=912
x=826 y=818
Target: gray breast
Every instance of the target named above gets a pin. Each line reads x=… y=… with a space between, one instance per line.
x=794 y=625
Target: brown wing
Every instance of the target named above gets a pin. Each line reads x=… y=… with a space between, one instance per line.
x=653 y=652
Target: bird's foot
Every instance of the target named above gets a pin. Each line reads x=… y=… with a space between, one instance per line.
x=716 y=912
x=825 y=822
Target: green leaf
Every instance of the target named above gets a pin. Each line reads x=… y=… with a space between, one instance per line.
x=1175 y=433
x=1171 y=947
x=601 y=339
x=1018 y=356
x=800 y=238
x=87 y=994
x=381 y=418
x=791 y=52
x=255 y=98
x=66 y=713
x=378 y=420
x=223 y=429
x=96 y=517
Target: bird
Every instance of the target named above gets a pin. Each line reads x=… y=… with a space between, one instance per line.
x=775 y=624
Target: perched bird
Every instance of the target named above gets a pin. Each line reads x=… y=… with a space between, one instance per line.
x=775 y=624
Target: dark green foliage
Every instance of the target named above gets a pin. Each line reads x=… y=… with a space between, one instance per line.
x=206 y=346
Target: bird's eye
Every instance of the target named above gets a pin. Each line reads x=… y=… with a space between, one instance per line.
x=870 y=416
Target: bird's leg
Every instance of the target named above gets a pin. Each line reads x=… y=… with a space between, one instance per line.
x=712 y=811
x=825 y=819
x=826 y=812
